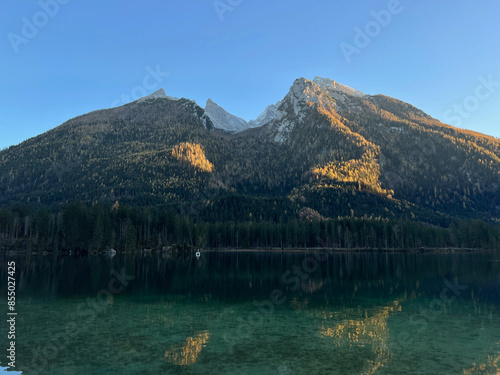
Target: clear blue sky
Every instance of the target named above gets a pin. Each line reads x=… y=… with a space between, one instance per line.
x=60 y=62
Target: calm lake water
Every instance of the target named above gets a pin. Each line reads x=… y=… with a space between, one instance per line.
x=256 y=313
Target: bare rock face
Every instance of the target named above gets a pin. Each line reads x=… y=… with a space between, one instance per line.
x=265 y=117
x=223 y=119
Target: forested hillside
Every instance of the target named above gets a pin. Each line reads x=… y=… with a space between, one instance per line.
x=328 y=154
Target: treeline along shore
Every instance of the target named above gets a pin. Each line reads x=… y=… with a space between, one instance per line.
x=79 y=227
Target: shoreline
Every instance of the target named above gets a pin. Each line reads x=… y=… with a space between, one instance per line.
x=357 y=250
x=265 y=250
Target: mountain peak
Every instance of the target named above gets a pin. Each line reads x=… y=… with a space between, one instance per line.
x=301 y=82
x=223 y=119
x=303 y=90
x=332 y=85
x=158 y=94
x=211 y=105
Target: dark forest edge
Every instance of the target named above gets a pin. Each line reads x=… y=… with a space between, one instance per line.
x=81 y=228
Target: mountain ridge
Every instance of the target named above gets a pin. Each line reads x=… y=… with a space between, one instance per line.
x=325 y=148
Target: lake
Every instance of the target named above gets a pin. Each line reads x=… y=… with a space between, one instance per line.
x=256 y=313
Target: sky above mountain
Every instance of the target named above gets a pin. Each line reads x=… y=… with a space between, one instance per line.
x=62 y=58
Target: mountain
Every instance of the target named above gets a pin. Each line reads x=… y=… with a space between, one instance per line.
x=156 y=95
x=342 y=137
x=230 y=123
x=123 y=152
x=324 y=151
x=224 y=120
x=266 y=116
x=337 y=90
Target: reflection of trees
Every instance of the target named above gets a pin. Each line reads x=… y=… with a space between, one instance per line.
x=372 y=330
x=311 y=286
x=188 y=353
x=491 y=367
x=230 y=276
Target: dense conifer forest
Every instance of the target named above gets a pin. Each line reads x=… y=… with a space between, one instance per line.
x=77 y=227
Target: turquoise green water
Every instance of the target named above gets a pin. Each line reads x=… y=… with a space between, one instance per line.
x=257 y=313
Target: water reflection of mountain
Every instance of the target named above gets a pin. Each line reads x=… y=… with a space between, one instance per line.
x=491 y=366
x=370 y=330
x=231 y=276
x=187 y=353
x=349 y=312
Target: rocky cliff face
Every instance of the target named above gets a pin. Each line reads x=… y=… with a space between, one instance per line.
x=224 y=120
